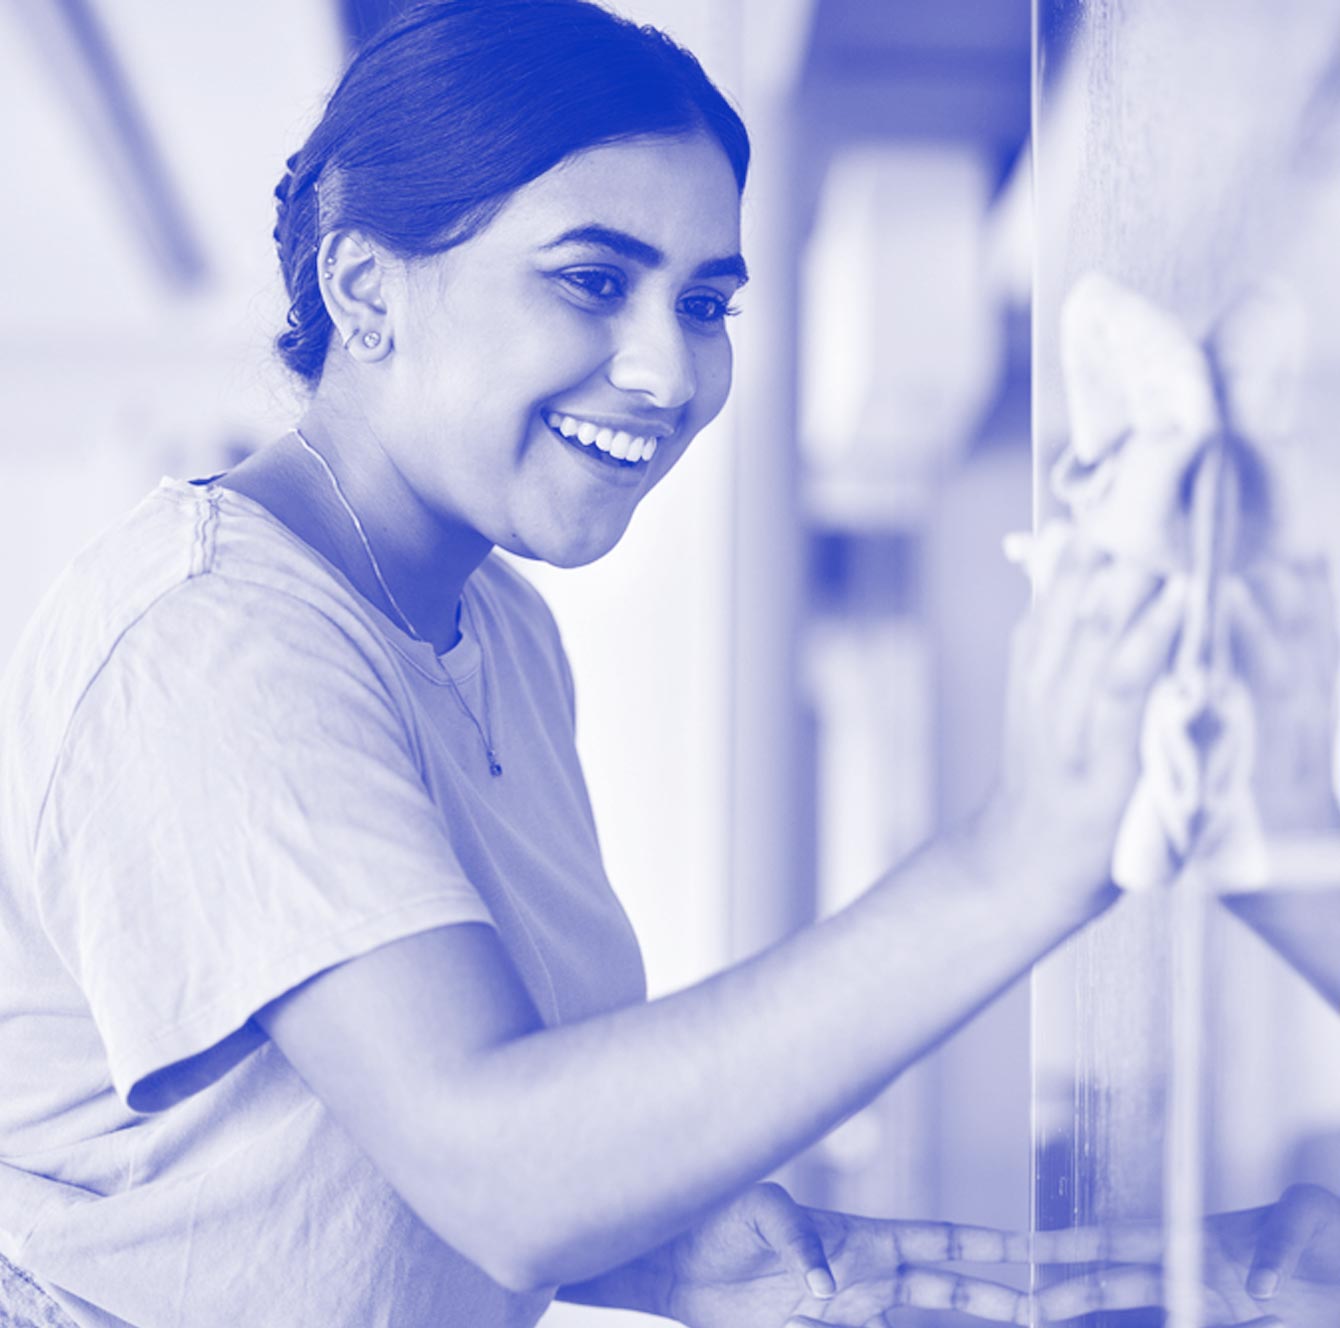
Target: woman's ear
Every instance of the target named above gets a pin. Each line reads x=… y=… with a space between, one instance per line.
x=352 y=279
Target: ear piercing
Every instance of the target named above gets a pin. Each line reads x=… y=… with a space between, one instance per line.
x=330 y=267
x=370 y=339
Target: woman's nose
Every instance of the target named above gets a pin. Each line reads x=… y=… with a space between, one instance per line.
x=652 y=358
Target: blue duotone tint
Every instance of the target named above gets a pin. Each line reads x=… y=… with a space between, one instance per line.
x=1184 y=398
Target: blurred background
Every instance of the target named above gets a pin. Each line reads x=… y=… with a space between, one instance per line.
x=791 y=671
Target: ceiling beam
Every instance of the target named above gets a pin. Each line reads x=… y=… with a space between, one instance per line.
x=80 y=56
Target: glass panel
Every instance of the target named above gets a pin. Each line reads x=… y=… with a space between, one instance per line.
x=1186 y=362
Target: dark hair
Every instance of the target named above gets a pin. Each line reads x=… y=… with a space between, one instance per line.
x=453 y=107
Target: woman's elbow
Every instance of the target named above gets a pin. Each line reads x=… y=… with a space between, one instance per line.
x=506 y=1246
x=486 y=1212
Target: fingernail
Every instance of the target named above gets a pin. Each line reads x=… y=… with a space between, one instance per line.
x=820 y=1282
x=1263 y=1283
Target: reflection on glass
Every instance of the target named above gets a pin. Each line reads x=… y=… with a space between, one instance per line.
x=1186 y=388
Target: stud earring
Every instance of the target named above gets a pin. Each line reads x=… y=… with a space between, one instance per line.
x=371 y=339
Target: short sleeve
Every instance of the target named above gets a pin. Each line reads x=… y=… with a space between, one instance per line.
x=237 y=806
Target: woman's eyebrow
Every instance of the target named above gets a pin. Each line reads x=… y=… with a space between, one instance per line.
x=648 y=255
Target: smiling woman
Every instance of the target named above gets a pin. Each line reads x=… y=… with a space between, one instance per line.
x=597 y=293
x=316 y=1006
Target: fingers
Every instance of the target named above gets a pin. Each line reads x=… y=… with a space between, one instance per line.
x=1054 y=616
x=1118 y=1287
x=1042 y=642
x=906 y=1248
x=1113 y=613
x=952 y=1242
x=1289 y=1228
x=938 y=1289
x=1113 y=1244
x=888 y=1242
x=790 y=1231
x=1116 y=719
x=1145 y=648
x=1103 y=623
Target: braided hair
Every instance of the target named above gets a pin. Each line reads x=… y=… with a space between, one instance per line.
x=455 y=105
x=304 y=341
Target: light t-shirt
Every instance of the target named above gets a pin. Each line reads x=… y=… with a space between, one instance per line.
x=222 y=772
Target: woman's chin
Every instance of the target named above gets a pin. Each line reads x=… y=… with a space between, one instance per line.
x=566 y=548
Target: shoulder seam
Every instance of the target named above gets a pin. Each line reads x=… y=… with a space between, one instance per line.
x=206 y=529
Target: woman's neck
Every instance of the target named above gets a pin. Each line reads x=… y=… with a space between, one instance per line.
x=334 y=486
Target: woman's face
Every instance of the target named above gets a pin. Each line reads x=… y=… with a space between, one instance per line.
x=588 y=314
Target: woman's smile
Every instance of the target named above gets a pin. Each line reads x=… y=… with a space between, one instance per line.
x=626 y=446
x=594 y=464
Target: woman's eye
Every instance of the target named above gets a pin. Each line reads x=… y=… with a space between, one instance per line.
x=595 y=284
x=707 y=310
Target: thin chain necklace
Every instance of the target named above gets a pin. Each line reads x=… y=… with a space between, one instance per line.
x=485 y=729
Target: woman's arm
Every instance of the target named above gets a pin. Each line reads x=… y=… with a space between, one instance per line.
x=548 y=1156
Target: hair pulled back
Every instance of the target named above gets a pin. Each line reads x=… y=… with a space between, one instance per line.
x=454 y=106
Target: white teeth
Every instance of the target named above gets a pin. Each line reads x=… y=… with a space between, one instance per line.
x=565 y=424
x=618 y=443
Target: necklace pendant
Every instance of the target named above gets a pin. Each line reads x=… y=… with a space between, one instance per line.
x=494 y=768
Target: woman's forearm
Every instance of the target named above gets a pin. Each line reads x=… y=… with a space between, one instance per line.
x=614 y=1133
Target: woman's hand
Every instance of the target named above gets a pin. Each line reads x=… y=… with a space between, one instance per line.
x=764 y=1261
x=1277 y=1265
x=1083 y=662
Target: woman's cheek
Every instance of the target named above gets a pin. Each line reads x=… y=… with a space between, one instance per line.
x=715 y=366
x=574 y=343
